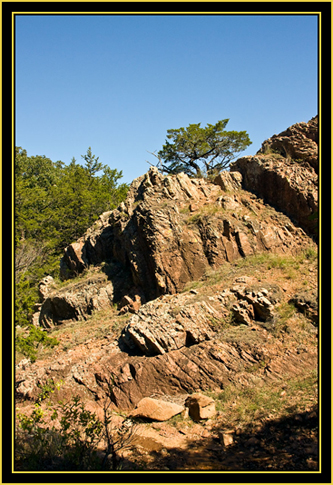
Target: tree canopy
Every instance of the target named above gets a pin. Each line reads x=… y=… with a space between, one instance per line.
x=54 y=205
x=201 y=151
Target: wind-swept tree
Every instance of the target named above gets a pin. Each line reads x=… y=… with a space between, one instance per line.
x=201 y=151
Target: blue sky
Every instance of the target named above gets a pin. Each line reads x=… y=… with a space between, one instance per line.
x=118 y=83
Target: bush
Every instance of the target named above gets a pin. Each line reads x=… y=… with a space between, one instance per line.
x=28 y=345
x=72 y=445
x=66 y=436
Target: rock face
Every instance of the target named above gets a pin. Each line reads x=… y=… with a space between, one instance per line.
x=76 y=301
x=284 y=172
x=229 y=181
x=183 y=320
x=168 y=231
x=170 y=323
x=298 y=142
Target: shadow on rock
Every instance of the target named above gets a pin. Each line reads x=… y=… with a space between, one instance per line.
x=286 y=444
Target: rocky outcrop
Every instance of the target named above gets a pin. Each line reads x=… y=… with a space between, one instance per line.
x=284 y=172
x=242 y=322
x=167 y=232
x=76 y=301
x=173 y=322
x=170 y=323
x=298 y=142
x=176 y=345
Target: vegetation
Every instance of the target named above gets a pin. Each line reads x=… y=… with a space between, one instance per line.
x=67 y=436
x=201 y=151
x=241 y=406
x=257 y=263
x=54 y=205
x=28 y=345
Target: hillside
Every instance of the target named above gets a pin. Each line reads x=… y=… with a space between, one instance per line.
x=202 y=296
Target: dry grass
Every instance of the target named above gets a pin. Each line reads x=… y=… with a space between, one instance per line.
x=243 y=407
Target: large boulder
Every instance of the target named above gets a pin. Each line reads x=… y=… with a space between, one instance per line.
x=76 y=301
x=156 y=409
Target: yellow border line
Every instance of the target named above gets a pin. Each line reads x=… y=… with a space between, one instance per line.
x=319 y=249
x=13 y=238
x=319 y=215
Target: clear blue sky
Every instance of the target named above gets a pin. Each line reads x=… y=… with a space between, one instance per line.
x=118 y=83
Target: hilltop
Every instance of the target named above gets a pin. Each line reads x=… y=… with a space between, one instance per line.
x=194 y=286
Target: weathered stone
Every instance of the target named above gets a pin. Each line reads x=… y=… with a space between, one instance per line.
x=148 y=249
x=284 y=172
x=76 y=302
x=307 y=303
x=298 y=142
x=169 y=323
x=152 y=240
x=200 y=407
x=156 y=409
x=226 y=437
x=243 y=312
x=229 y=181
x=127 y=304
x=228 y=203
x=45 y=286
x=253 y=304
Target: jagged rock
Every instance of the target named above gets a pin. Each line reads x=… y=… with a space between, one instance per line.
x=229 y=181
x=254 y=304
x=170 y=229
x=307 y=303
x=298 y=142
x=153 y=239
x=76 y=302
x=200 y=407
x=170 y=323
x=210 y=364
x=45 y=286
x=127 y=304
x=156 y=409
x=284 y=172
x=228 y=203
x=243 y=312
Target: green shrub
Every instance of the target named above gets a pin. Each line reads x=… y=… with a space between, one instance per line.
x=66 y=436
x=28 y=345
x=71 y=445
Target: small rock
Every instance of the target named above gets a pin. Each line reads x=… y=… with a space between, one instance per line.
x=252 y=441
x=243 y=279
x=156 y=409
x=200 y=407
x=226 y=437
